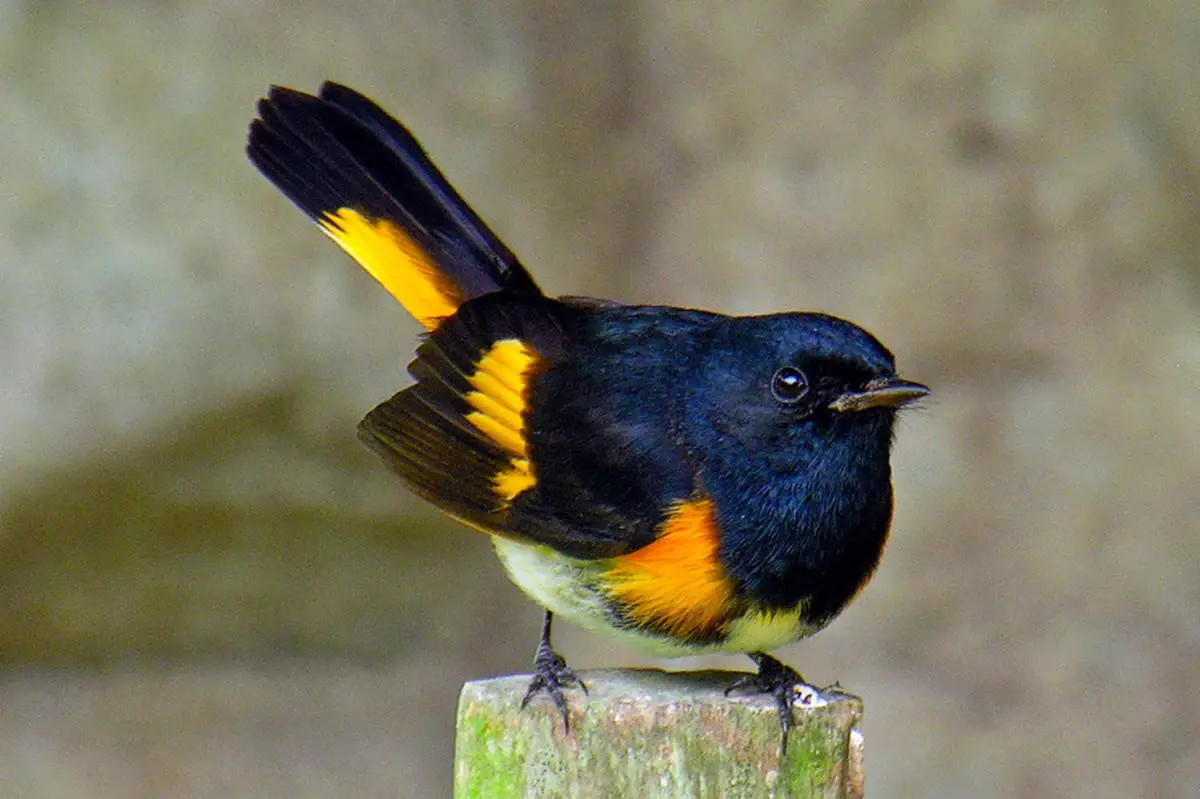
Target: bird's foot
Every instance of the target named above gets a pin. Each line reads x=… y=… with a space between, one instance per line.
x=551 y=674
x=786 y=685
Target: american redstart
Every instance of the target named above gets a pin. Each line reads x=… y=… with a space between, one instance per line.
x=687 y=481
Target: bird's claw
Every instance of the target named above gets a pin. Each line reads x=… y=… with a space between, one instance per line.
x=783 y=683
x=551 y=674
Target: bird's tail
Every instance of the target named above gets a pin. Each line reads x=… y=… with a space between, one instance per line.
x=366 y=181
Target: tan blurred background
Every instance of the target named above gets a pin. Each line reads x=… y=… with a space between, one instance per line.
x=207 y=586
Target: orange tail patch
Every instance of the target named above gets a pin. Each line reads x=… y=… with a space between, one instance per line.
x=401 y=266
x=676 y=584
x=361 y=176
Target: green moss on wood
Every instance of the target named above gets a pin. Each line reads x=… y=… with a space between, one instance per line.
x=648 y=734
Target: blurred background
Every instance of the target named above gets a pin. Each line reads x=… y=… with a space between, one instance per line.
x=207 y=586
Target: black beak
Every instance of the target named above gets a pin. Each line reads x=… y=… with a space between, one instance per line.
x=883 y=392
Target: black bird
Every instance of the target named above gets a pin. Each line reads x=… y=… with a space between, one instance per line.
x=687 y=481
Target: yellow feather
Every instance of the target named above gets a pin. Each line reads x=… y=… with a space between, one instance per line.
x=496 y=412
x=498 y=392
x=517 y=479
x=393 y=258
x=498 y=432
x=499 y=403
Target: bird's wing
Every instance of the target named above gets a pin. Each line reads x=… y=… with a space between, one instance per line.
x=494 y=434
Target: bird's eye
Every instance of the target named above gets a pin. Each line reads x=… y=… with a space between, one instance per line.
x=789 y=385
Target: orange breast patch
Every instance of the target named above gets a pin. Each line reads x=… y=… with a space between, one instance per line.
x=676 y=585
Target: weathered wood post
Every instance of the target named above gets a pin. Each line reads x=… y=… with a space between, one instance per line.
x=649 y=733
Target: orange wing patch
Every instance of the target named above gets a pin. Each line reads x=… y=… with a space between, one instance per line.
x=392 y=257
x=676 y=584
x=500 y=382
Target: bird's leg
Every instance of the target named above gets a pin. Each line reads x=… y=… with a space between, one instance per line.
x=780 y=681
x=551 y=674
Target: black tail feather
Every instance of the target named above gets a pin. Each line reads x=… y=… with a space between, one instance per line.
x=340 y=150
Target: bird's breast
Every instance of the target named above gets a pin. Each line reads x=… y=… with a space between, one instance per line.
x=672 y=597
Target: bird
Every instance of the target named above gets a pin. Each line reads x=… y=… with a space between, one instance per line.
x=687 y=481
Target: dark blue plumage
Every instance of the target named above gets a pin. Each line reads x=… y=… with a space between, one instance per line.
x=686 y=480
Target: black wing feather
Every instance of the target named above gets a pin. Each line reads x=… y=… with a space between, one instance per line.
x=440 y=460
x=423 y=433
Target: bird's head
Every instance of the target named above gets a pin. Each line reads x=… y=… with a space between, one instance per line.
x=783 y=388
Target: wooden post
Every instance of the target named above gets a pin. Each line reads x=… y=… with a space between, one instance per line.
x=649 y=733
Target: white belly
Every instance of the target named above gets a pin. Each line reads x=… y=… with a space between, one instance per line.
x=567 y=587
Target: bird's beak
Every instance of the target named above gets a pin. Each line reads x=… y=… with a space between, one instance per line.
x=883 y=392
